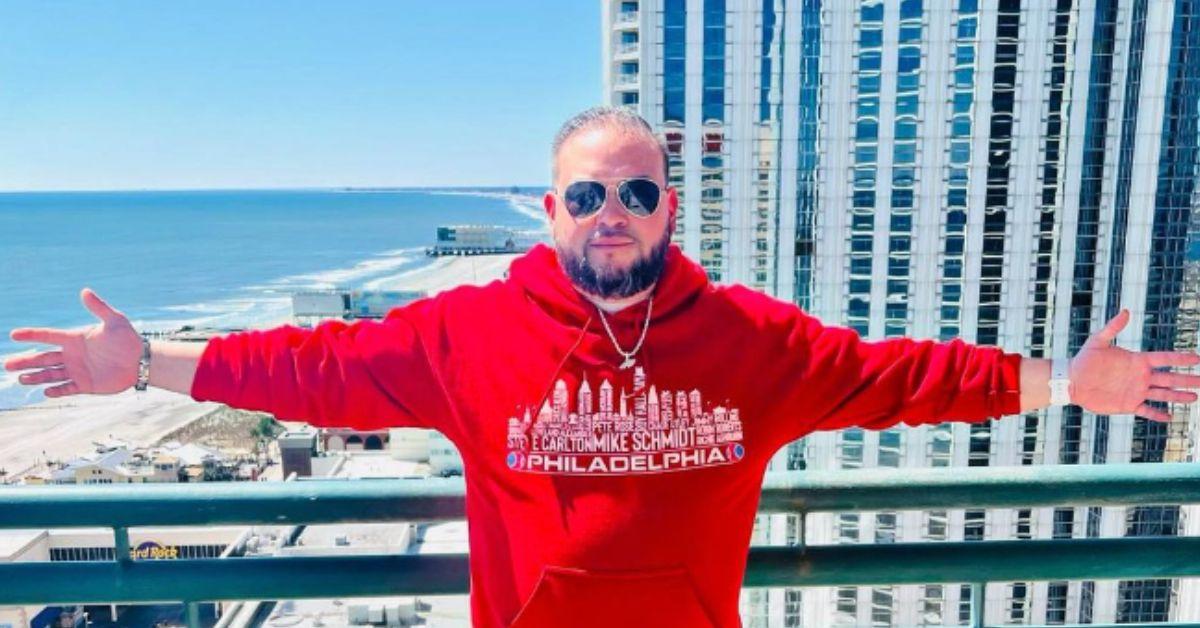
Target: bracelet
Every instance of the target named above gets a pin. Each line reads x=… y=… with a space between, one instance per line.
x=143 y=376
x=1060 y=384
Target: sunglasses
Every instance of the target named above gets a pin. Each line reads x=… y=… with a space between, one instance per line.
x=639 y=196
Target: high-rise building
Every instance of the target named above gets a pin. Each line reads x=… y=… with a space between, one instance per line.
x=1007 y=173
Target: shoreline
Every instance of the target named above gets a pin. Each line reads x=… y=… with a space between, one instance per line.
x=261 y=294
x=67 y=427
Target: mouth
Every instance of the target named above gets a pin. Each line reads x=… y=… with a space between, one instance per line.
x=610 y=243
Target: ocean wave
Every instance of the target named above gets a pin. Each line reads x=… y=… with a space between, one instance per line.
x=14 y=394
x=396 y=282
x=217 y=307
x=230 y=313
x=412 y=250
x=387 y=262
x=266 y=289
x=527 y=205
x=530 y=206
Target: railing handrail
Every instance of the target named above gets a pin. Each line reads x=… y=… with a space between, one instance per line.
x=220 y=503
x=982 y=487
x=296 y=577
x=330 y=501
x=440 y=499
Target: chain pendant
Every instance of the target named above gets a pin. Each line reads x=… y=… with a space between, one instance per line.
x=629 y=356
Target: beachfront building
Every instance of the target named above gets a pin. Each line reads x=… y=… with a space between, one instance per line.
x=1007 y=173
x=172 y=462
x=430 y=447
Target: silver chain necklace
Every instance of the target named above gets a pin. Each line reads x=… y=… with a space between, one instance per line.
x=628 y=355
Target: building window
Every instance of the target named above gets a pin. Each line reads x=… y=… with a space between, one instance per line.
x=851 y=448
x=891 y=444
x=974 y=525
x=932 y=603
x=847 y=607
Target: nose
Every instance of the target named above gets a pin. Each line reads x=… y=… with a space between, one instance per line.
x=612 y=212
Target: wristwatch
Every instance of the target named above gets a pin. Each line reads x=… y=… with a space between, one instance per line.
x=143 y=377
x=1060 y=384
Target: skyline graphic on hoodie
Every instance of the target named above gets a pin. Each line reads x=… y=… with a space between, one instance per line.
x=666 y=431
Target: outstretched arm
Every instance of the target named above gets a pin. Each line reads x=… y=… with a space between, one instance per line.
x=367 y=375
x=1110 y=380
x=103 y=358
x=829 y=378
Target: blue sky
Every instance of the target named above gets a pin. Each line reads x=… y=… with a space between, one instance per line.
x=274 y=93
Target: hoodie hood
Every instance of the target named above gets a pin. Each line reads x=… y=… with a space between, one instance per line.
x=540 y=276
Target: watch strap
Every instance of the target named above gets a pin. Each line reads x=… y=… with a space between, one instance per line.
x=1060 y=383
x=143 y=376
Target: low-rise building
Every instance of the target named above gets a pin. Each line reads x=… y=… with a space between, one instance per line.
x=173 y=462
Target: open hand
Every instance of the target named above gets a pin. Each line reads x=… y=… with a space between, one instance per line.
x=1111 y=380
x=101 y=359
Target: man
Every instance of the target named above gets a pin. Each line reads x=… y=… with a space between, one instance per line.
x=615 y=411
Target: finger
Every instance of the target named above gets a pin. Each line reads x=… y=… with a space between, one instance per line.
x=62 y=390
x=1171 y=358
x=47 y=359
x=1163 y=379
x=1166 y=394
x=1105 y=336
x=44 y=376
x=1154 y=414
x=98 y=306
x=43 y=335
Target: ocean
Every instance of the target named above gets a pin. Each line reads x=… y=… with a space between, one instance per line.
x=215 y=258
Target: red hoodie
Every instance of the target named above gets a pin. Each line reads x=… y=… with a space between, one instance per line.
x=598 y=496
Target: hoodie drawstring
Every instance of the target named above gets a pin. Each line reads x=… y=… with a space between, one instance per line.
x=561 y=363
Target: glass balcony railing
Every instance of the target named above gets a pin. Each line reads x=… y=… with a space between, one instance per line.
x=192 y=581
x=628 y=48
x=626 y=18
x=627 y=80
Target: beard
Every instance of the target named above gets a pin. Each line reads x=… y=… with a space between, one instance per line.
x=615 y=283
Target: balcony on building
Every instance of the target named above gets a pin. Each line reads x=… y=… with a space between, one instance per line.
x=626 y=81
x=130 y=571
x=627 y=50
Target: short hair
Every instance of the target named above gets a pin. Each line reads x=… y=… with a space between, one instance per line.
x=618 y=117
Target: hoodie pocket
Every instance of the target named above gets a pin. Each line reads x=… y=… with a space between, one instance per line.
x=663 y=598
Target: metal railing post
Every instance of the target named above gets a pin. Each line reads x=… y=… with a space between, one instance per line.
x=121 y=545
x=192 y=613
x=978 y=590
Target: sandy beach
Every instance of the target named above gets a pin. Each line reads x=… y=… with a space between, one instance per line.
x=448 y=272
x=68 y=427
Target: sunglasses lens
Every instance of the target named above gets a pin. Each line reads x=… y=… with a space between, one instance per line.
x=583 y=198
x=640 y=196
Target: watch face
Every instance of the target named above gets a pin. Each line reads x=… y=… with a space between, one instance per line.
x=1059 y=392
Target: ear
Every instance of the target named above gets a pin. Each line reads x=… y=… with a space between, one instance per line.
x=549 y=202
x=672 y=208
